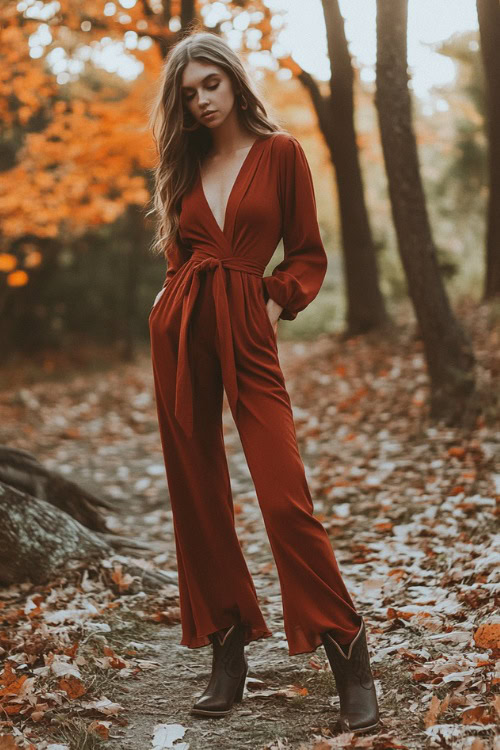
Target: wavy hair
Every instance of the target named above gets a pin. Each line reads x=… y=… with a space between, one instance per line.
x=179 y=143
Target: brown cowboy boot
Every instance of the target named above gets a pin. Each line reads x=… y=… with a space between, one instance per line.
x=354 y=680
x=229 y=671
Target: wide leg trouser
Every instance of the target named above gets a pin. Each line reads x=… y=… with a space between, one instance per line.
x=215 y=585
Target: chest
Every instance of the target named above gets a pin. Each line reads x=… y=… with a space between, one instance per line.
x=218 y=180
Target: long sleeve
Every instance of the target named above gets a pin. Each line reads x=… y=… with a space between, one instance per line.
x=296 y=281
x=176 y=255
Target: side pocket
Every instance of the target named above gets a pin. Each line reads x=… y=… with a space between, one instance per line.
x=264 y=310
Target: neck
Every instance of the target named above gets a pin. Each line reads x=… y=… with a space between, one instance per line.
x=230 y=136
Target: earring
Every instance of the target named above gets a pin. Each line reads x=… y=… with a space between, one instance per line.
x=243 y=102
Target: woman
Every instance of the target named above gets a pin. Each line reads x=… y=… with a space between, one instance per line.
x=229 y=185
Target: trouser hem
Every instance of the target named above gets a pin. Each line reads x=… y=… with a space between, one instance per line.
x=203 y=640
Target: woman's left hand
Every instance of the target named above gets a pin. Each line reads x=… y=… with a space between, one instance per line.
x=274 y=311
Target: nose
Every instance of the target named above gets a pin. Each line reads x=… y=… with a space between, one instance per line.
x=203 y=101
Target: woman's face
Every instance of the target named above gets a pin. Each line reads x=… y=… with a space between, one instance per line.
x=207 y=88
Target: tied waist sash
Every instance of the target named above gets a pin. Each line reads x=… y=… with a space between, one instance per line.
x=183 y=386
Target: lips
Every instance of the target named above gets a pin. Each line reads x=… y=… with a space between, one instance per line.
x=207 y=114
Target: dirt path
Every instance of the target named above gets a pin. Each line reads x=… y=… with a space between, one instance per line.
x=409 y=509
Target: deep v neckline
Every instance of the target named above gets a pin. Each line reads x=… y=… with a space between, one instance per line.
x=231 y=192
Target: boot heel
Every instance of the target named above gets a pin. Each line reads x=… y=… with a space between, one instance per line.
x=238 y=696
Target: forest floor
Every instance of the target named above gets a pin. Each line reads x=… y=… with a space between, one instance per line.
x=91 y=660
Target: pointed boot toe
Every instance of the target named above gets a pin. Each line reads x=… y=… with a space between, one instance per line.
x=359 y=710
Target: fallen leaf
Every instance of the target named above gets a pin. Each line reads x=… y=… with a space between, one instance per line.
x=101 y=728
x=123 y=581
x=63 y=668
x=72 y=686
x=7 y=742
x=488 y=635
x=433 y=712
x=165 y=735
x=476 y=715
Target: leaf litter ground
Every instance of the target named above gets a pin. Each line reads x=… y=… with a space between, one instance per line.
x=93 y=660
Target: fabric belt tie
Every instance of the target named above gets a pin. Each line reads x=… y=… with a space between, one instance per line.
x=184 y=387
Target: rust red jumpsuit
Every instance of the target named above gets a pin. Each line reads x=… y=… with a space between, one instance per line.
x=210 y=331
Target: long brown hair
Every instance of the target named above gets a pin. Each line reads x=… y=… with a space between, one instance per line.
x=179 y=150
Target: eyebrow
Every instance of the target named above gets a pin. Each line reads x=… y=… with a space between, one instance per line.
x=185 y=88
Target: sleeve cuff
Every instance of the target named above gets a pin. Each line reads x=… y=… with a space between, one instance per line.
x=281 y=291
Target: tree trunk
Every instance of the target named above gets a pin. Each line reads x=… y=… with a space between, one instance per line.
x=37 y=539
x=188 y=17
x=188 y=13
x=448 y=353
x=22 y=470
x=488 y=12
x=365 y=304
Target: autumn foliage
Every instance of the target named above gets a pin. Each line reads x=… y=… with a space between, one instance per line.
x=74 y=155
x=76 y=148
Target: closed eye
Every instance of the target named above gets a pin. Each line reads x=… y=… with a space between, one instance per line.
x=210 y=88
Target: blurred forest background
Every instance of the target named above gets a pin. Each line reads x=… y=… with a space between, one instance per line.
x=76 y=83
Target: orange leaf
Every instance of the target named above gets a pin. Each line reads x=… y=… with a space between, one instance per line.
x=12 y=708
x=314 y=664
x=398 y=573
x=433 y=712
x=420 y=676
x=115 y=661
x=444 y=704
x=99 y=728
x=488 y=635
x=7 y=262
x=457 y=451
x=384 y=526
x=8 y=675
x=392 y=614
x=496 y=704
x=7 y=742
x=13 y=687
x=266 y=568
x=17 y=278
x=123 y=581
x=170 y=615
x=477 y=714
x=72 y=686
x=72 y=650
